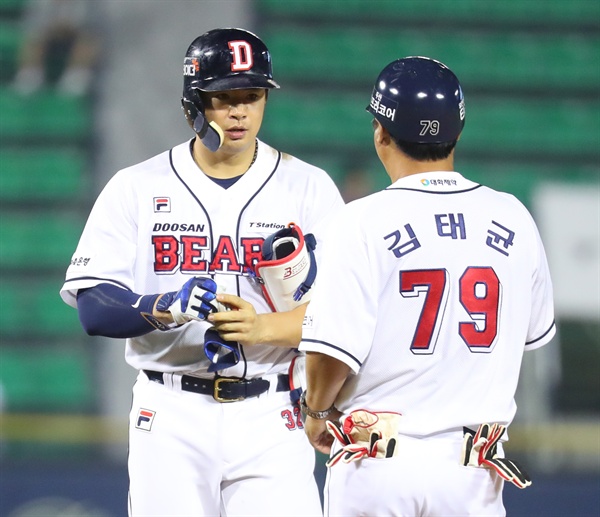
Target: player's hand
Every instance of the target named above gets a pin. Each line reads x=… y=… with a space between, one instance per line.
x=194 y=301
x=240 y=323
x=317 y=433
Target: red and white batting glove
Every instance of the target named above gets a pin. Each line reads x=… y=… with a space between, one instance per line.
x=364 y=434
x=480 y=449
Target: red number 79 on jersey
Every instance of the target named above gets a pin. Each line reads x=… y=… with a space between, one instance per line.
x=479 y=293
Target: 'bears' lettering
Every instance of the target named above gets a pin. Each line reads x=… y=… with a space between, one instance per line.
x=192 y=254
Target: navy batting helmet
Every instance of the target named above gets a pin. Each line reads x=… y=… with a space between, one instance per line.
x=222 y=59
x=419 y=100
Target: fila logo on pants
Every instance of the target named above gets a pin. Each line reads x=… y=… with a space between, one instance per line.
x=144 y=419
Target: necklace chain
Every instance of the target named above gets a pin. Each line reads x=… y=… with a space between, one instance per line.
x=255 y=155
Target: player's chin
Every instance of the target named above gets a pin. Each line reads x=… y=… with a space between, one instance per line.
x=238 y=142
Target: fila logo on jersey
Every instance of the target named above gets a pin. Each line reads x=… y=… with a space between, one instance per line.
x=145 y=419
x=162 y=204
x=242 y=59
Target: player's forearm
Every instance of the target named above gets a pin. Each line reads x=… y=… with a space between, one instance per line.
x=282 y=329
x=107 y=310
x=325 y=377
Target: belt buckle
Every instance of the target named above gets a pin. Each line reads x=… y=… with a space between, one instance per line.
x=217 y=388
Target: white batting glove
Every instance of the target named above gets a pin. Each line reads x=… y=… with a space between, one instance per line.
x=194 y=301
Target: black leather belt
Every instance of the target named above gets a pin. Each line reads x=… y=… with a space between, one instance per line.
x=224 y=389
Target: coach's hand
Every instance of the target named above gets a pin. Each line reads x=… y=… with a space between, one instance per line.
x=240 y=323
x=317 y=433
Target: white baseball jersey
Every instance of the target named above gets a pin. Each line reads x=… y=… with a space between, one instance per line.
x=430 y=291
x=158 y=223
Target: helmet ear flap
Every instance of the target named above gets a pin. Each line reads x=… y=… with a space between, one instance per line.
x=189 y=110
x=192 y=106
x=210 y=134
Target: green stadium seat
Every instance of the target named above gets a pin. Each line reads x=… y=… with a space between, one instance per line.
x=517 y=178
x=521 y=179
x=10 y=42
x=56 y=174
x=524 y=12
x=493 y=125
x=317 y=121
x=12 y=8
x=51 y=117
x=46 y=378
x=511 y=59
x=335 y=167
x=38 y=240
x=34 y=309
x=537 y=127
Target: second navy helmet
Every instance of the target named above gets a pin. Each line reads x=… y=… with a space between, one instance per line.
x=419 y=100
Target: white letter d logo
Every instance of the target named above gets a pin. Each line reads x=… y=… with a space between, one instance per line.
x=242 y=56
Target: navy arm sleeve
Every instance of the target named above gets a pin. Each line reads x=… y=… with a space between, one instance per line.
x=110 y=311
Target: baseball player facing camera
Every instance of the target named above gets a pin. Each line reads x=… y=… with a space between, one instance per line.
x=167 y=260
x=447 y=286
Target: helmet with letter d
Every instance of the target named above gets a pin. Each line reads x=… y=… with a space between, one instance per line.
x=419 y=100
x=218 y=60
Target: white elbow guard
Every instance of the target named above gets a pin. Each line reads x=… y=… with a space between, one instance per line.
x=288 y=268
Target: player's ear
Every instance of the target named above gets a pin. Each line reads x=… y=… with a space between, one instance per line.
x=381 y=134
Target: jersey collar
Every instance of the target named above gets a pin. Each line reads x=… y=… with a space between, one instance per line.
x=434 y=182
